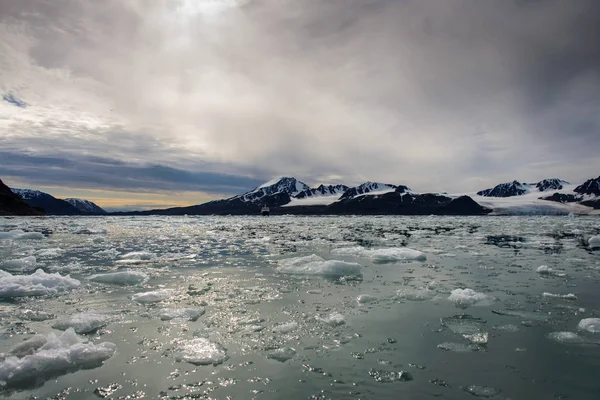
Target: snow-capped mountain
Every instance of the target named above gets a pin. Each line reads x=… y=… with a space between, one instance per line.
x=49 y=203
x=54 y=206
x=368 y=188
x=516 y=188
x=85 y=206
x=322 y=190
x=28 y=194
x=279 y=186
x=589 y=187
x=12 y=204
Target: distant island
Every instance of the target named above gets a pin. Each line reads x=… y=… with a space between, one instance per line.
x=288 y=195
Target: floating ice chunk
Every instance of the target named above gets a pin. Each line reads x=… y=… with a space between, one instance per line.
x=590 y=325
x=333 y=319
x=349 y=251
x=30 y=346
x=415 y=294
x=458 y=347
x=31 y=315
x=59 y=355
x=507 y=328
x=282 y=354
x=152 y=297
x=37 y=284
x=286 y=327
x=389 y=254
x=201 y=351
x=544 y=270
x=522 y=314
x=389 y=376
x=566 y=337
x=108 y=253
x=138 y=255
x=54 y=252
x=466 y=297
x=463 y=324
x=24 y=264
x=594 y=241
x=315 y=265
x=477 y=338
x=20 y=235
x=482 y=391
x=569 y=296
x=365 y=299
x=394 y=254
x=123 y=278
x=82 y=322
x=191 y=314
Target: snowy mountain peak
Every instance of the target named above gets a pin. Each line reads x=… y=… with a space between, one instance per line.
x=283 y=187
x=589 y=187
x=85 y=206
x=322 y=190
x=550 y=184
x=368 y=187
x=287 y=185
x=508 y=189
x=516 y=188
x=28 y=194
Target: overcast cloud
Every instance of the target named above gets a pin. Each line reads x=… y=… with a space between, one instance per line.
x=218 y=95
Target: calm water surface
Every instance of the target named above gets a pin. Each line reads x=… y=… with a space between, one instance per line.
x=300 y=307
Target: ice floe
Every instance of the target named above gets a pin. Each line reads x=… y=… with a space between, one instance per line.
x=20 y=235
x=569 y=296
x=466 y=297
x=123 y=278
x=200 y=351
x=37 y=284
x=83 y=322
x=138 y=255
x=594 y=241
x=152 y=297
x=546 y=270
x=458 y=347
x=589 y=325
x=468 y=327
x=566 y=337
x=333 y=319
x=394 y=254
x=365 y=299
x=383 y=255
x=286 y=327
x=315 y=265
x=190 y=314
x=40 y=359
x=481 y=391
x=282 y=354
x=53 y=252
x=415 y=294
x=24 y=264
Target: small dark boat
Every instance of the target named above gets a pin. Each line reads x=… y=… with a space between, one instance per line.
x=265 y=211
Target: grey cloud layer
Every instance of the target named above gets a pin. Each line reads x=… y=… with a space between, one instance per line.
x=449 y=95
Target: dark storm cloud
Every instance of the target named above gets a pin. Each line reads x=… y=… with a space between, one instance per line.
x=440 y=95
x=102 y=173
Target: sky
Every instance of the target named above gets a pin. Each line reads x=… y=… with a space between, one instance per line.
x=140 y=104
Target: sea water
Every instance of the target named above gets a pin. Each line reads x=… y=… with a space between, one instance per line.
x=299 y=307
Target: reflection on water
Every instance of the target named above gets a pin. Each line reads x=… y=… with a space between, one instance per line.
x=299 y=307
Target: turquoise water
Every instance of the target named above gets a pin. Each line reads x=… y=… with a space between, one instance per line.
x=266 y=308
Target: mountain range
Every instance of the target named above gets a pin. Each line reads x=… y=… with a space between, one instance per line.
x=287 y=195
x=53 y=206
x=12 y=204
